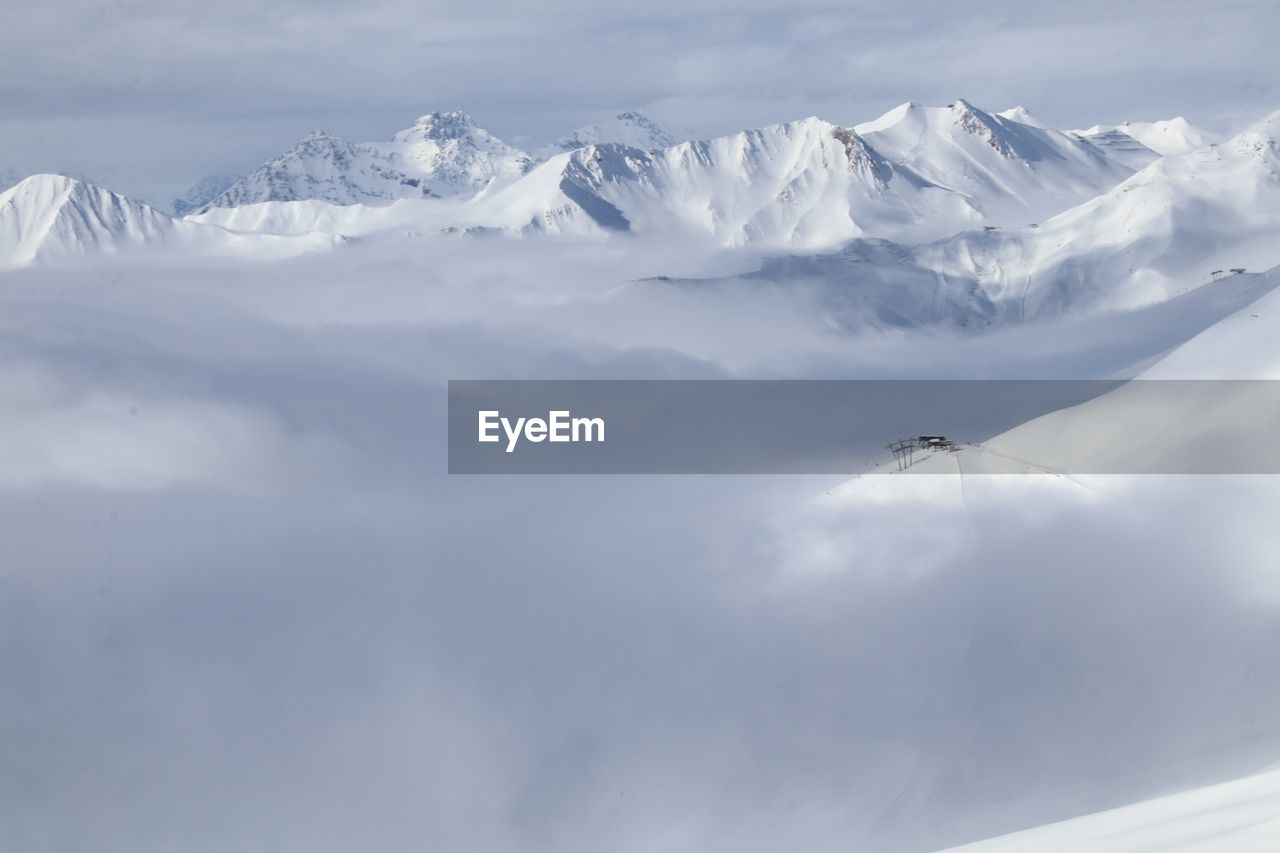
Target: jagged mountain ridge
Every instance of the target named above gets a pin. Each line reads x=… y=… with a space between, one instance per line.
x=916 y=173
x=442 y=154
x=940 y=169
x=807 y=182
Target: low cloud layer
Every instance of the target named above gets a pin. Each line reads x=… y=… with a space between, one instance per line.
x=316 y=640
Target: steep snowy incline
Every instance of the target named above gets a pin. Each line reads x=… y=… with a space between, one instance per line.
x=805 y=183
x=633 y=128
x=442 y=154
x=1242 y=816
x=1014 y=172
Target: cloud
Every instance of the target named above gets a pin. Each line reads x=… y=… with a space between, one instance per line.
x=314 y=639
x=156 y=95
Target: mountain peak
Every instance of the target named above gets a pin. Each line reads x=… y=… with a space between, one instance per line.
x=48 y=215
x=448 y=124
x=1022 y=115
x=43 y=182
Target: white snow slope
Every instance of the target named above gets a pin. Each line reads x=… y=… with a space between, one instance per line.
x=1242 y=816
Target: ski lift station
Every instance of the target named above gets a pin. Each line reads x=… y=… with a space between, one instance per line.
x=904 y=449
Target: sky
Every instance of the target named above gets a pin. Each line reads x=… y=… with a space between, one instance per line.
x=149 y=96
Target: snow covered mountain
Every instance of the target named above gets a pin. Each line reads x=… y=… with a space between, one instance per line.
x=441 y=154
x=1014 y=169
x=915 y=173
x=633 y=128
x=452 y=156
x=325 y=168
x=1168 y=228
x=807 y=182
x=1177 y=224
x=202 y=192
x=1166 y=138
x=54 y=218
x=934 y=203
x=48 y=216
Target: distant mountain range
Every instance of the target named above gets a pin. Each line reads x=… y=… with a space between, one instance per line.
x=951 y=214
x=915 y=173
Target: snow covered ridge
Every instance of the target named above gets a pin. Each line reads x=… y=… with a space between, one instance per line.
x=441 y=154
x=51 y=218
x=915 y=173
